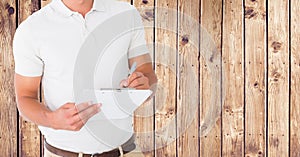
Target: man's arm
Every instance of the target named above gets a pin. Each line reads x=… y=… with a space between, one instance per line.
x=68 y=117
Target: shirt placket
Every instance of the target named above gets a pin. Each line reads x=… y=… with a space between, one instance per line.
x=83 y=24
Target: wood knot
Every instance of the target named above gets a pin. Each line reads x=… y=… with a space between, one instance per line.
x=171 y=111
x=275 y=142
x=276 y=75
x=148 y=15
x=276 y=46
x=145 y=1
x=250 y=13
x=264 y=15
x=256 y=85
x=184 y=40
x=211 y=58
x=9 y=9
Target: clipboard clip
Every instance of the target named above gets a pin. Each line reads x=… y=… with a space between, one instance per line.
x=117 y=89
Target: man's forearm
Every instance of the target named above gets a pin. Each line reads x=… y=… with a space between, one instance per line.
x=34 y=111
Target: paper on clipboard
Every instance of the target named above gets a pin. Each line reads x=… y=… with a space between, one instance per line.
x=116 y=103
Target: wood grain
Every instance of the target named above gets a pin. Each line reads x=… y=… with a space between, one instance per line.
x=44 y=2
x=165 y=67
x=8 y=112
x=255 y=63
x=26 y=8
x=128 y=1
x=278 y=78
x=144 y=115
x=188 y=78
x=295 y=80
x=29 y=134
x=211 y=20
x=233 y=75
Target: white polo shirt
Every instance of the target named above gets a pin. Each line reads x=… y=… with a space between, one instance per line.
x=50 y=42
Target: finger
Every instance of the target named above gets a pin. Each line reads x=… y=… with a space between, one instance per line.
x=83 y=106
x=123 y=83
x=134 y=76
x=135 y=83
x=89 y=112
x=73 y=111
x=81 y=118
x=75 y=120
x=142 y=87
x=143 y=81
x=80 y=107
x=144 y=84
x=68 y=105
x=77 y=123
x=69 y=108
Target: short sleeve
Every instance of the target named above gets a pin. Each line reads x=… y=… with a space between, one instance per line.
x=26 y=54
x=138 y=45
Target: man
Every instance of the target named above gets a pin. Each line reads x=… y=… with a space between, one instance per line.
x=46 y=48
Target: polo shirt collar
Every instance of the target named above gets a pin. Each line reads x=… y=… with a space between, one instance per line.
x=64 y=10
x=98 y=5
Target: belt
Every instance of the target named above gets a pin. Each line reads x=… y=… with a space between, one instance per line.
x=123 y=149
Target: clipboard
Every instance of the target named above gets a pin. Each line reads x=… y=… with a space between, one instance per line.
x=117 y=103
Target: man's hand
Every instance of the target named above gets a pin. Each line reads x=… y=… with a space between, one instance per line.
x=136 y=80
x=144 y=76
x=73 y=117
x=67 y=117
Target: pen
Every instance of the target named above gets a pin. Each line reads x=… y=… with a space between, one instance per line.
x=132 y=69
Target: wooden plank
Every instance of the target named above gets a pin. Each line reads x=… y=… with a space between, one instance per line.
x=188 y=79
x=211 y=20
x=233 y=76
x=278 y=78
x=295 y=80
x=144 y=115
x=255 y=63
x=29 y=134
x=146 y=9
x=26 y=8
x=45 y=2
x=29 y=137
x=128 y=1
x=165 y=66
x=8 y=112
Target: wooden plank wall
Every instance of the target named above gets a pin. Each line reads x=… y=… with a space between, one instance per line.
x=258 y=41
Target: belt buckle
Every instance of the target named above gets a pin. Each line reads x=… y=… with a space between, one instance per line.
x=95 y=154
